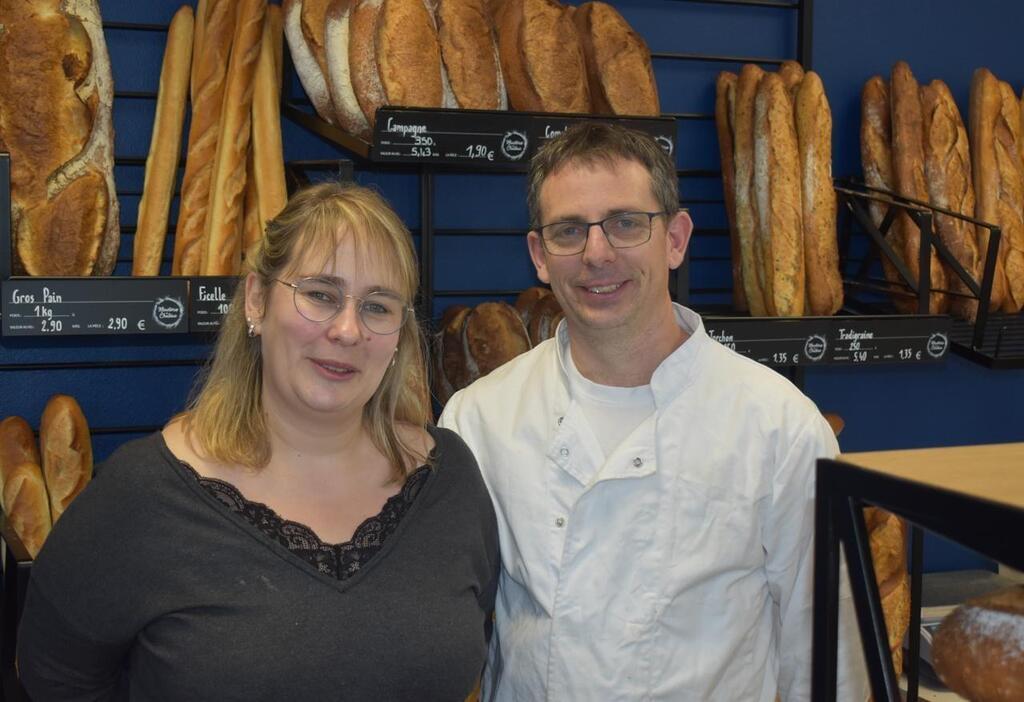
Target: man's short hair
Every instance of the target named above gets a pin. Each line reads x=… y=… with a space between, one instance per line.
x=592 y=143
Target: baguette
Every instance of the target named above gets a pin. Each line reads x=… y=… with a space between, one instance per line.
x=275 y=25
x=746 y=203
x=66 y=450
x=791 y=73
x=56 y=96
x=207 y=107
x=17 y=446
x=824 y=285
x=339 y=76
x=725 y=97
x=252 y=232
x=777 y=189
x=1011 y=196
x=269 y=188
x=469 y=51
x=618 y=62
x=313 y=80
x=985 y=104
x=908 y=171
x=408 y=54
x=947 y=161
x=198 y=35
x=362 y=58
x=223 y=252
x=164 y=146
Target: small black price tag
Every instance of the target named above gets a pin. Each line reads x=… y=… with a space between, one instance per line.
x=774 y=342
x=894 y=339
x=211 y=298
x=483 y=139
x=107 y=306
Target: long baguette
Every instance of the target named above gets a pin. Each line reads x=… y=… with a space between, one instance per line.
x=252 y=231
x=1011 y=196
x=271 y=192
x=223 y=251
x=164 y=146
x=777 y=189
x=746 y=203
x=985 y=104
x=198 y=36
x=908 y=171
x=26 y=507
x=725 y=96
x=207 y=106
x=947 y=161
x=66 y=449
x=821 y=244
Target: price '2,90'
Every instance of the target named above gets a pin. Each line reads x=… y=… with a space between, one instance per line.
x=117 y=323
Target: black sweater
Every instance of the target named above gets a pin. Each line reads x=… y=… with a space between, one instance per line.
x=149 y=589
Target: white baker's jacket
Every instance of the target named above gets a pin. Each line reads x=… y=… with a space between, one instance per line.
x=680 y=568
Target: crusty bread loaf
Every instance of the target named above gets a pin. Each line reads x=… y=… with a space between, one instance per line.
x=204 y=130
x=339 y=76
x=1011 y=196
x=408 y=54
x=746 y=203
x=792 y=74
x=362 y=57
x=908 y=172
x=618 y=62
x=275 y=25
x=26 y=506
x=252 y=232
x=725 y=97
x=310 y=75
x=876 y=158
x=527 y=299
x=469 y=51
x=985 y=105
x=978 y=650
x=779 y=204
x=887 y=539
x=454 y=369
x=66 y=449
x=271 y=191
x=198 y=35
x=312 y=17
x=222 y=254
x=824 y=286
x=947 y=161
x=493 y=334
x=17 y=446
x=164 y=146
x=56 y=95
x=542 y=58
x=544 y=317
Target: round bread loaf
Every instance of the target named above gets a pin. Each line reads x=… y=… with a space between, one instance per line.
x=978 y=650
x=543 y=318
x=527 y=299
x=494 y=334
x=450 y=364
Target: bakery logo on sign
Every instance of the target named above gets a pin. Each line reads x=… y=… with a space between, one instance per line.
x=937 y=345
x=513 y=145
x=815 y=347
x=168 y=312
x=665 y=143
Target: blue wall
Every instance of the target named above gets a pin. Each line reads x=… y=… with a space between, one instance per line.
x=884 y=407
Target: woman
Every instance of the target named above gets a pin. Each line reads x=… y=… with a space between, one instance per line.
x=301 y=532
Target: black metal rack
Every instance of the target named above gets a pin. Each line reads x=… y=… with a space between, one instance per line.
x=972 y=495
x=993 y=339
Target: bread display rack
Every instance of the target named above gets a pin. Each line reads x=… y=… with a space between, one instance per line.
x=994 y=340
x=973 y=495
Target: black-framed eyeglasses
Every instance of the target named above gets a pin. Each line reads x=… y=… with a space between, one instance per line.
x=319 y=300
x=624 y=230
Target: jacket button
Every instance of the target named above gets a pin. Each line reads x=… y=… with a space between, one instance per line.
x=638 y=461
x=560 y=421
x=564 y=451
x=560 y=522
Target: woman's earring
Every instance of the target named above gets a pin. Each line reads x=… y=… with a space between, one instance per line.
x=252 y=329
x=394 y=358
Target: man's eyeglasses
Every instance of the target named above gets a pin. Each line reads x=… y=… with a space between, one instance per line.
x=320 y=301
x=623 y=231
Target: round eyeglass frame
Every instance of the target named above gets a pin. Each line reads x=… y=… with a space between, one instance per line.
x=406 y=309
x=601 y=222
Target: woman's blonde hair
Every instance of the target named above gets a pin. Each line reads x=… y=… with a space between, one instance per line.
x=225 y=414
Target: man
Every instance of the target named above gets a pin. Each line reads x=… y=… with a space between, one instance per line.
x=654 y=490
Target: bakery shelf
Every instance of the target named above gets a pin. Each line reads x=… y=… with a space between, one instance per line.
x=973 y=495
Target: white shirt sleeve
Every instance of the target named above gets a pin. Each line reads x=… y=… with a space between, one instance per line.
x=788 y=540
